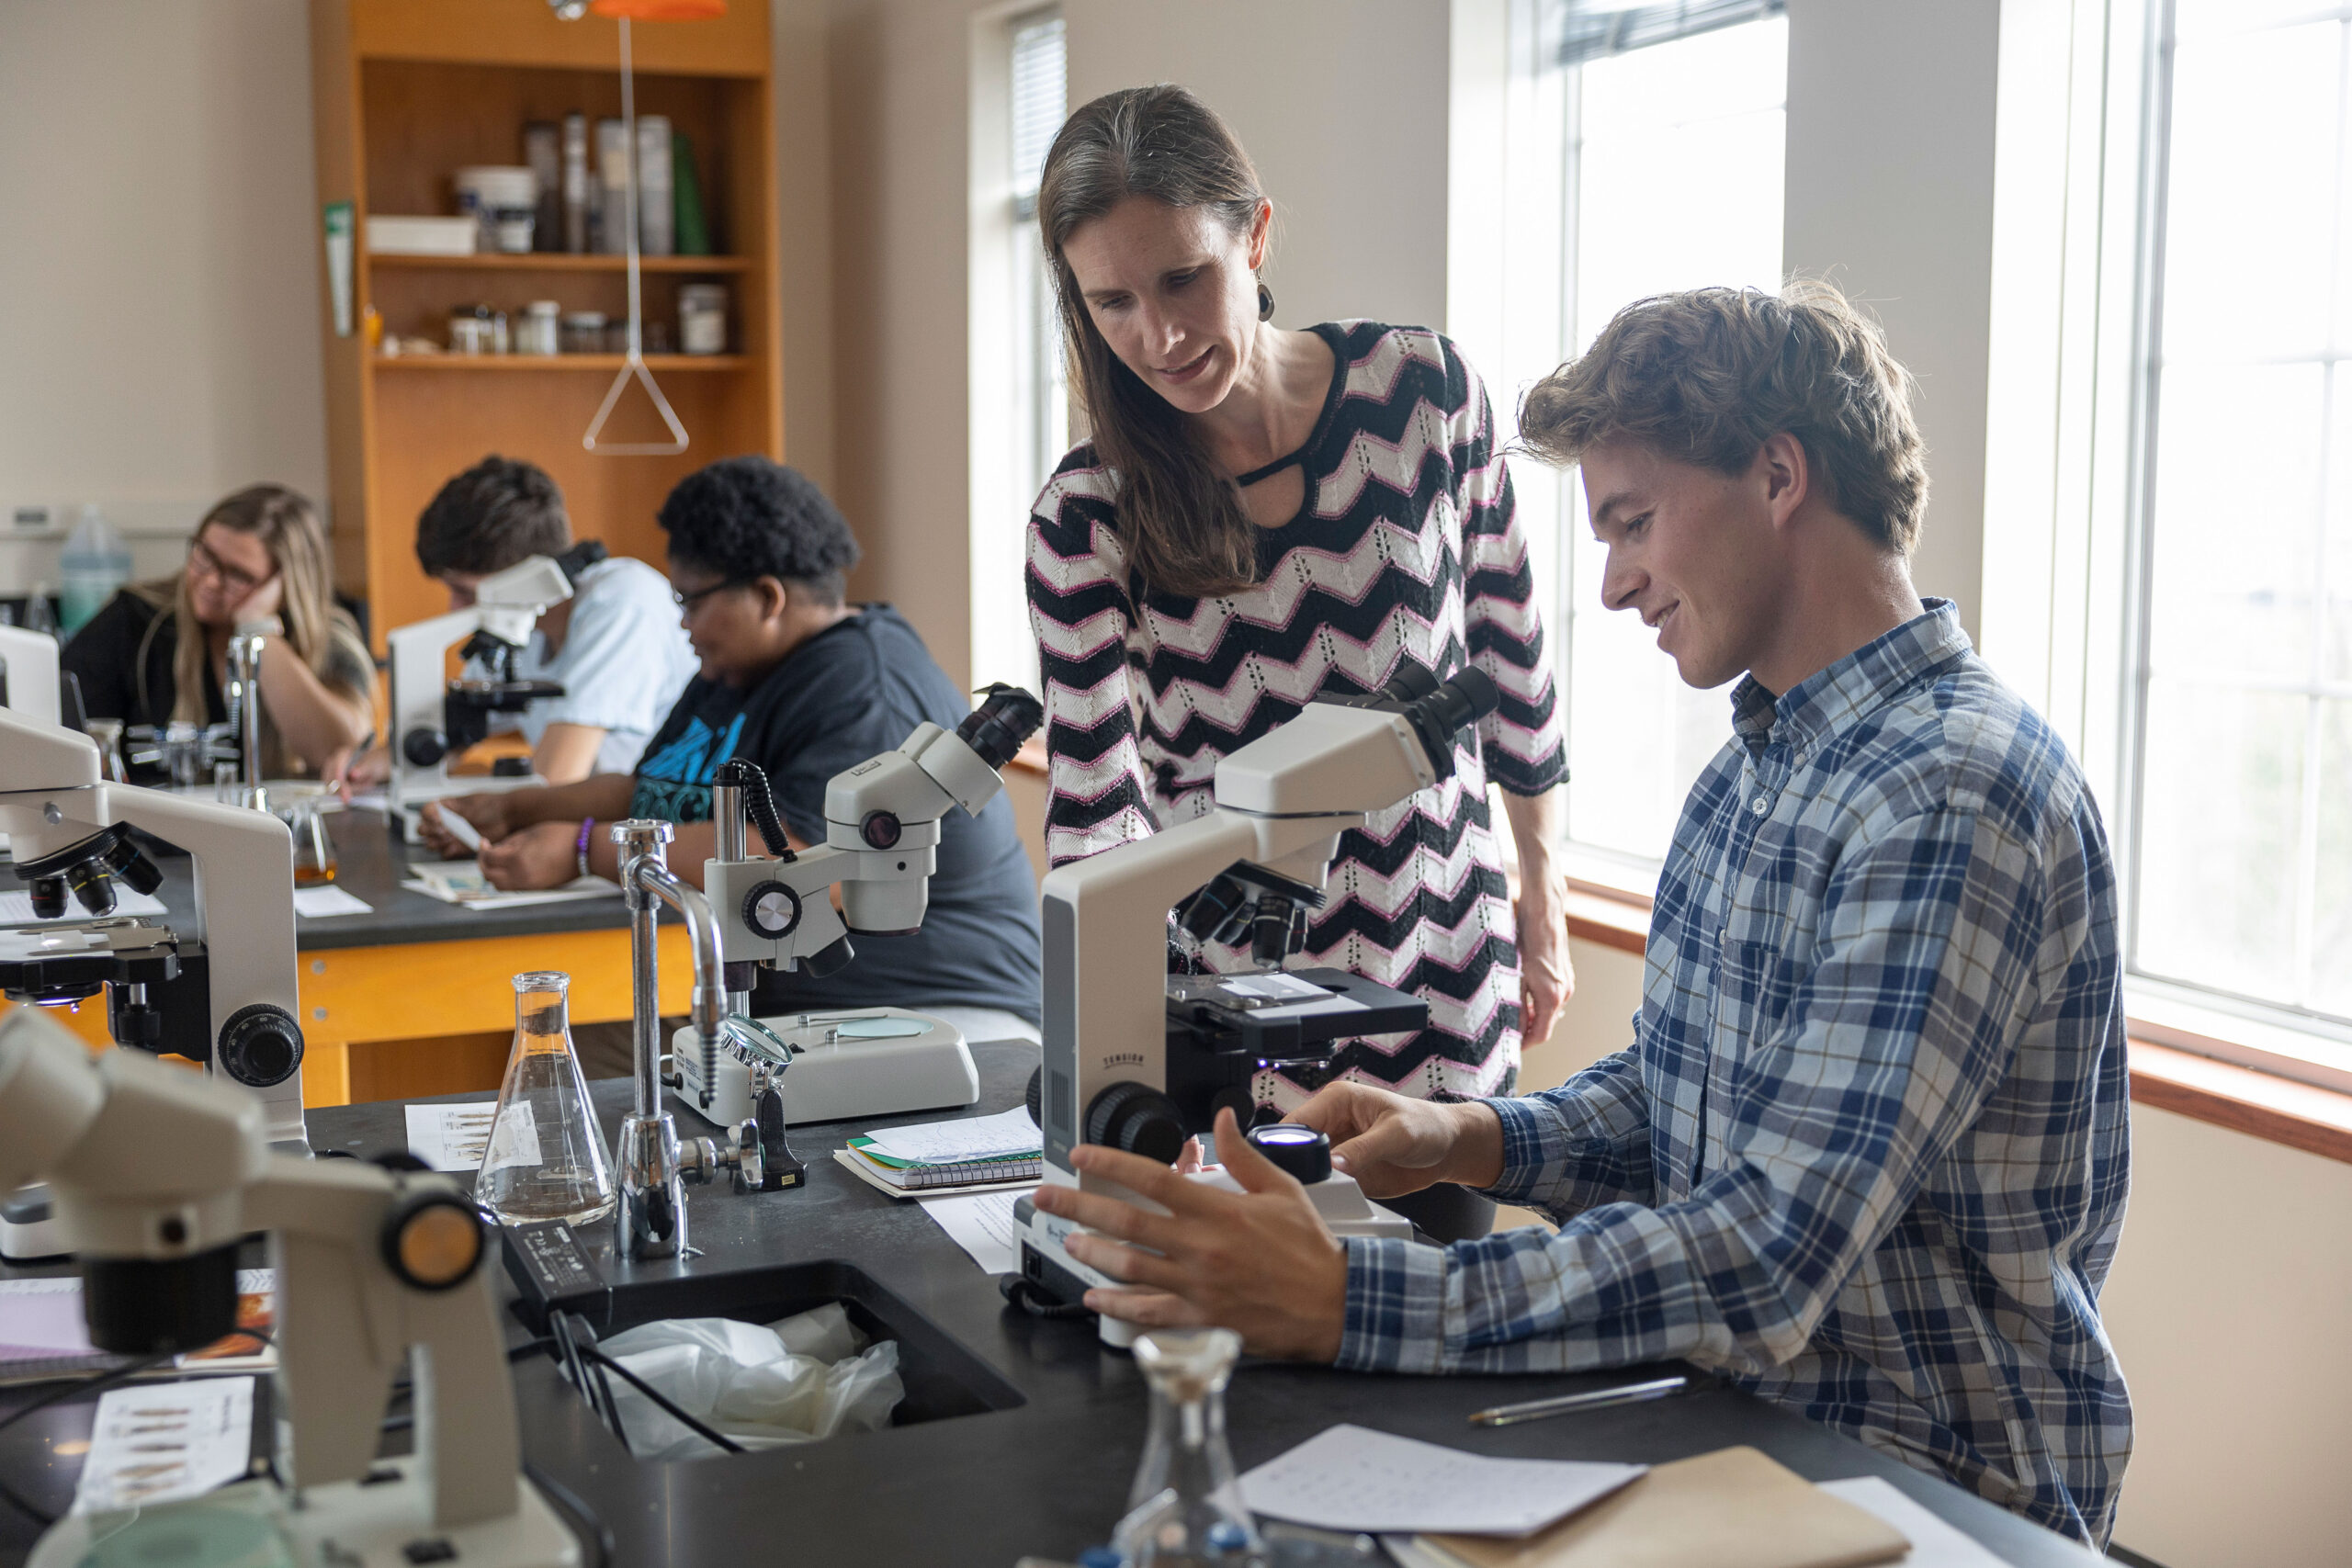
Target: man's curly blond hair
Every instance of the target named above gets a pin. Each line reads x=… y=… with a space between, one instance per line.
x=1705 y=376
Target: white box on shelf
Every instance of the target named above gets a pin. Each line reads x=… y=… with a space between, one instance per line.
x=406 y=236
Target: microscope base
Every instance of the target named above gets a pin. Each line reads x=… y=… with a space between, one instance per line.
x=840 y=1072
x=369 y=1527
x=28 y=1228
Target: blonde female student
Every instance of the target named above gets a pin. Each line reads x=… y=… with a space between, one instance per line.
x=158 y=652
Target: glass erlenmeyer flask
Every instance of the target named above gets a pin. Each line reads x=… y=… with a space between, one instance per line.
x=1184 y=1510
x=546 y=1157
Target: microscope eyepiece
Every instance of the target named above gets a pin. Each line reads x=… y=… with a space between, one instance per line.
x=1006 y=717
x=1408 y=682
x=1442 y=709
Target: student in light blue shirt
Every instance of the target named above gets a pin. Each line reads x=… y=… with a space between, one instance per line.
x=616 y=647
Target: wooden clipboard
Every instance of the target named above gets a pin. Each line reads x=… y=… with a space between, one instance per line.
x=1732 y=1506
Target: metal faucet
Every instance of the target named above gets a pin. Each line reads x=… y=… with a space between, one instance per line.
x=244 y=711
x=651 y=1220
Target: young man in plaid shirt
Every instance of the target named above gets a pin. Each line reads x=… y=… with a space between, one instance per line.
x=1867 y=1154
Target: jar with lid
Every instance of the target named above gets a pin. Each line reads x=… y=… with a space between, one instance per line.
x=477 y=329
x=584 y=332
x=702 y=318
x=540 y=330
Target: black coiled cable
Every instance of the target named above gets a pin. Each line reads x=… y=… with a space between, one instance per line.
x=747 y=776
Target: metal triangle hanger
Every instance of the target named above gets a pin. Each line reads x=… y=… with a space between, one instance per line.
x=633 y=363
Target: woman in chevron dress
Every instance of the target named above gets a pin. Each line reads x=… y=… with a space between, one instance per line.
x=1264 y=516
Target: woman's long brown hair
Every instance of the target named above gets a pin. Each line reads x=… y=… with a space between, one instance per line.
x=1180 y=521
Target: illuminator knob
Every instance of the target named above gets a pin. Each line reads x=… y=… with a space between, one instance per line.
x=1300 y=1151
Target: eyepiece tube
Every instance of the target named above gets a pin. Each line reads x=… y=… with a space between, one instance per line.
x=1447 y=709
x=1006 y=717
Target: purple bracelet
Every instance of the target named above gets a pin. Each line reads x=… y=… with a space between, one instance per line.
x=580 y=847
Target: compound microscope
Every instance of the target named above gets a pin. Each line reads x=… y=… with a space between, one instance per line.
x=158 y=1175
x=230 y=1003
x=1142 y=1060
x=882 y=834
x=436 y=720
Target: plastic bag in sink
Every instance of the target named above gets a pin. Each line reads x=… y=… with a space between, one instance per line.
x=792 y=1382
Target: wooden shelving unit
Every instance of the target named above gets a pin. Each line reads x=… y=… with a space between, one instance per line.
x=661 y=365
x=542 y=260
x=406 y=92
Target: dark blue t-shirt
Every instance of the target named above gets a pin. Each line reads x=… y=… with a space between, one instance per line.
x=852 y=691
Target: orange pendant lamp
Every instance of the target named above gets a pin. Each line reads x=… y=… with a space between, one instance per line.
x=659 y=10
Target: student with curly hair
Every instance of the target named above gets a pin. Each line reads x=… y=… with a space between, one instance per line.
x=805 y=684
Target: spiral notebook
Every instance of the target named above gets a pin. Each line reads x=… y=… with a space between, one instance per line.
x=919 y=1176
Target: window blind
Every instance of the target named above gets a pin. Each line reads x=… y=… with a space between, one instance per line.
x=1040 y=101
x=1592 y=28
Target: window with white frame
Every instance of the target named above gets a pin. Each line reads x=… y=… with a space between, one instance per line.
x=1021 y=403
x=2240 y=850
x=1641 y=151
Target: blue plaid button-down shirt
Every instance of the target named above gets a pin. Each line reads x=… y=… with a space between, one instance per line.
x=1868 y=1154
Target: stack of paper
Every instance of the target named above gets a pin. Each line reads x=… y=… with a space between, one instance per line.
x=1353 y=1478
x=461 y=882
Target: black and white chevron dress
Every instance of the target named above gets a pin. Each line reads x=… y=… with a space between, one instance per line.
x=1406 y=547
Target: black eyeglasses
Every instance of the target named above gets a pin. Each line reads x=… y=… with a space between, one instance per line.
x=687 y=602
x=237 y=582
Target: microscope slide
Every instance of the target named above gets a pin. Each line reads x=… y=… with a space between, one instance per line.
x=458 y=828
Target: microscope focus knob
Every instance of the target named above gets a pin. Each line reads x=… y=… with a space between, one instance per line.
x=423 y=747
x=772 y=909
x=431 y=1239
x=260 y=1046
x=1138 y=1119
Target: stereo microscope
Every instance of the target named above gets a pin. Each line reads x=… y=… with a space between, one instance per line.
x=882 y=834
x=158 y=1175
x=434 y=719
x=1142 y=1060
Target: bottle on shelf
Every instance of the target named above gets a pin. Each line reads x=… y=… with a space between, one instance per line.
x=94 y=563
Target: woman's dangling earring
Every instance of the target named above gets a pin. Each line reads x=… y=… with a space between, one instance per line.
x=1265 y=303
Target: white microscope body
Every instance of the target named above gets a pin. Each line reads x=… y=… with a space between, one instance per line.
x=1140 y=1060
x=158 y=1175
x=29 y=673
x=882 y=834
x=434 y=719
x=64 y=819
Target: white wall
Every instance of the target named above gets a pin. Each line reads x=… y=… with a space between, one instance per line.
x=160 y=272
x=1342 y=106
x=1890 y=195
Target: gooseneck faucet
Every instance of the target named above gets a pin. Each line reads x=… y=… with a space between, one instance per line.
x=651 y=1220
